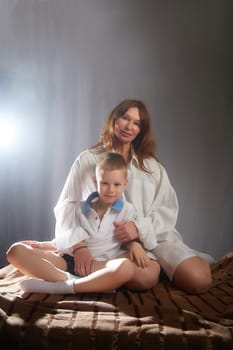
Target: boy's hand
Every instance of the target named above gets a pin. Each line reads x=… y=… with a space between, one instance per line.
x=45 y=245
x=82 y=262
x=138 y=254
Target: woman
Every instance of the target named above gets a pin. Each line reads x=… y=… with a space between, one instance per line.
x=128 y=131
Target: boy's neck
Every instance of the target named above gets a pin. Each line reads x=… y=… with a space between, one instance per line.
x=100 y=207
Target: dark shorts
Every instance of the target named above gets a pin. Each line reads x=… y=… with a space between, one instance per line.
x=70 y=263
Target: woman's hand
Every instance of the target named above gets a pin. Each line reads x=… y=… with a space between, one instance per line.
x=82 y=261
x=125 y=231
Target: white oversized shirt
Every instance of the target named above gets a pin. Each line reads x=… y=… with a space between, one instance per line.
x=98 y=234
x=150 y=193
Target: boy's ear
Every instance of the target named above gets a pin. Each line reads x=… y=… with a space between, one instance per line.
x=94 y=178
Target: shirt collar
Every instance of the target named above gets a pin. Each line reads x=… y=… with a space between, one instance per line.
x=134 y=158
x=118 y=205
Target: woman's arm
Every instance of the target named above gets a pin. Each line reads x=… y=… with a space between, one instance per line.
x=160 y=220
x=80 y=181
x=156 y=203
x=79 y=184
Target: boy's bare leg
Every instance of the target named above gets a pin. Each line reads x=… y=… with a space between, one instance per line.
x=37 y=263
x=117 y=272
x=106 y=276
x=144 y=278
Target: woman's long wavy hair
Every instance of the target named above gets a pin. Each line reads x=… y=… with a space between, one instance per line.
x=143 y=145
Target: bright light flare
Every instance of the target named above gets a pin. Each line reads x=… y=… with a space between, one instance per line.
x=8 y=133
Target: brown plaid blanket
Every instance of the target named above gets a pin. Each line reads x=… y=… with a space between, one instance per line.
x=161 y=318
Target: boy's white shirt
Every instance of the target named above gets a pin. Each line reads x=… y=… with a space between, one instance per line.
x=99 y=234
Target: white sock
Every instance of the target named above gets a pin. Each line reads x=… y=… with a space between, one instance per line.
x=72 y=277
x=34 y=285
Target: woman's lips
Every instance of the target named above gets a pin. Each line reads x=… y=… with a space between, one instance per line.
x=125 y=133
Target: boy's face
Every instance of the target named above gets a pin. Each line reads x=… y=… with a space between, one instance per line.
x=110 y=185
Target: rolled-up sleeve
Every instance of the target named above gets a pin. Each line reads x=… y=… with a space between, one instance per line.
x=68 y=226
x=157 y=219
x=78 y=186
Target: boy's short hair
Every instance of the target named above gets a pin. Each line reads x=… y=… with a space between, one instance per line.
x=111 y=161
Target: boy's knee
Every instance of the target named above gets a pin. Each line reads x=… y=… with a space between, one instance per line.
x=146 y=279
x=127 y=267
x=123 y=267
x=13 y=251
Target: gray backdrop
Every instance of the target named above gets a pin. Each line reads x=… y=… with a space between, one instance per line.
x=64 y=64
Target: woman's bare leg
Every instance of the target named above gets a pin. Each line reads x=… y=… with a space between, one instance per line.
x=193 y=275
x=37 y=263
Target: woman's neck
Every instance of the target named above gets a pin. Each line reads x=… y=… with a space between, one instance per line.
x=124 y=149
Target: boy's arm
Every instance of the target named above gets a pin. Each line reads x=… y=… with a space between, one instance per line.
x=82 y=259
x=45 y=245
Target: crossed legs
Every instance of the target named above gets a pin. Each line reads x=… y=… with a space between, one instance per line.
x=106 y=275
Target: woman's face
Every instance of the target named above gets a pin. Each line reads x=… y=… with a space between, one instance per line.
x=127 y=127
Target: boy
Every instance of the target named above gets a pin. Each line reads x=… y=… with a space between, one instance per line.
x=90 y=247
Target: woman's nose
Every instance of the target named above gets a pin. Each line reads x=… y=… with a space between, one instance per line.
x=130 y=124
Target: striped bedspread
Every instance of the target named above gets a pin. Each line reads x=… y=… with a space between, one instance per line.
x=161 y=318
